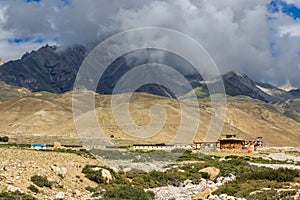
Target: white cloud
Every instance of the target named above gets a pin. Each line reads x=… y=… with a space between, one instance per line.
x=239 y=35
x=295 y=2
x=292 y=30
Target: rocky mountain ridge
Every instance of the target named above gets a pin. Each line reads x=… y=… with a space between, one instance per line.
x=54 y=70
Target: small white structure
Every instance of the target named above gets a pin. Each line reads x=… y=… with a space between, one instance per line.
x=149 y=147
x=183 y=146
x=38 y=146
x=162 y=146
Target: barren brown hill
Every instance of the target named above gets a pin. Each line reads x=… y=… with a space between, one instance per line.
x=44 y=117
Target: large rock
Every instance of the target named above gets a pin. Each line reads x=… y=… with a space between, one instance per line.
x=203 y=195
x=212 y=171
x=60 y=195
x=105 y=173
x=12 y=188
x=59 y=170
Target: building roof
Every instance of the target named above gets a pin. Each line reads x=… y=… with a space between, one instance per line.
x=38 y=145
x=230 y=139
x=206 y=142
x=159 y=145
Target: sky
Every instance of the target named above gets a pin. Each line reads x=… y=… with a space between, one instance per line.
x=260 y=38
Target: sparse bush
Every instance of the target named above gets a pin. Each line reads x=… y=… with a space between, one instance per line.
x=128 y=192
x=93 y=175
x=257 y=180
x=280 y=175
x=204 y=175
x=33 y=189
x=17 y=195
x=96 y=175
x=4 y=139
x=61 y=176
x=40 y=181
x=91 y=189
x=266 y=194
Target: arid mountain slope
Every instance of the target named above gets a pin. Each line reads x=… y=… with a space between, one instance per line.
x=45 y=117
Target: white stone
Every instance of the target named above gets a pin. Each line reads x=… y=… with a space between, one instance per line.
x=13 y=188
x=107 y=175
x=60 y=195
x=59 y=170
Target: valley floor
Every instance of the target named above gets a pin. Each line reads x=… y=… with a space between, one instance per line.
x=66 y=170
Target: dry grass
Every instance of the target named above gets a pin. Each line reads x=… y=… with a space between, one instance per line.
x=49 y=118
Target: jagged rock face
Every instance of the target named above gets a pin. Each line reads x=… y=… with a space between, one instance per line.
x=47 y=69
x=295 y=93
x=274 y=91
x=238 y=84
x=53 y=70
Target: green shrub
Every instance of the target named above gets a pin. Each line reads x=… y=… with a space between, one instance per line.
x=91 y=189
x=17 y=195
x=204 y=175
x=4 y=139
x=279 y=175
x=40 y=181
x=258 y=179
x=33 y=189
x=267 y=194
x=96 y=175
x=93 y=175
x=229 y=189
x=128 y=192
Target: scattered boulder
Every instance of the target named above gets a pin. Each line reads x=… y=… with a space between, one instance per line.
x=57 y=145
x=212 y=171
x=12 y=188
x=59 y=170
x=60 y=195
x=105 y=173
x=203 y=195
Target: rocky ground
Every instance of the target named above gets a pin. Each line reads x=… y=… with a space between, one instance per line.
x=64 y=171
x=190 y=191
x=17 y=166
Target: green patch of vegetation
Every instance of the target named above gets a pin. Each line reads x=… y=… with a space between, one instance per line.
x=201 y=92
x=138 y=156
x=145 y=180
x=272 y=194
x=91 y=189
x=17 y=195
x=81 y=152
x=7 y=91
x=4 y=139
x=128 y=192
x=61 y=176
x=33 y=189
x=255 y=159
x=293 y=115
x=247 y=183
x=230 y=165
x=189 y=156
x=40 y=181
x=158 y=179
x=279 y=175
x=94 y=175
x=249 y=178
